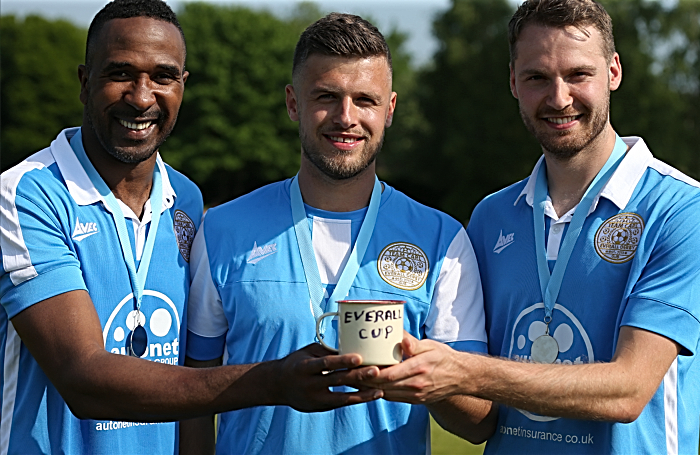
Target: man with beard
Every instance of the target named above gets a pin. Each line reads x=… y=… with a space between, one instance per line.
x=589 y=268
x=254 y=260
x=82 y=220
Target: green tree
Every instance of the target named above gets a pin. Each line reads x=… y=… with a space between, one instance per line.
x=39 y=85
x=468 y=139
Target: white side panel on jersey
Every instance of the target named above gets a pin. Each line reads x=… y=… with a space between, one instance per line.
x=671 y=408
x=457 y=310
x=9 y=391
x=209 y=319
x=15 y=255
x=331 y=241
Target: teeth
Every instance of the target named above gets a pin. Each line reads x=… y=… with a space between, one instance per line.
x=561 y=120
x=135 y=126
x=343 y=139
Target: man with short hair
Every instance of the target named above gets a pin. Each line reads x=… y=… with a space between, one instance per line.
x=81 y=222
x=256 y=257
x=589 y=268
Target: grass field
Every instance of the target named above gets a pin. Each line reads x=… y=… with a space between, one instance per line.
x=444 y=443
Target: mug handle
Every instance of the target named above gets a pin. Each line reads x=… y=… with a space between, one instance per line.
x=318 y=333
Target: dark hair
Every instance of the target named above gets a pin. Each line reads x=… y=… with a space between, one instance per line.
x=344 y=35
x=560 y=13
x=124 y=9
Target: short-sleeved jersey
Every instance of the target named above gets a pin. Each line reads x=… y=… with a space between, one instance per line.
x=249 y=296
x=57 y=235
x=635 y=264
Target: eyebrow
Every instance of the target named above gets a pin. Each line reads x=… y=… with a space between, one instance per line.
x=575 y=69
x=119 y=65
x=334 y=90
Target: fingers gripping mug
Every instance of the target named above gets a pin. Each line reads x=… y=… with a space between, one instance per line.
x=371 y=328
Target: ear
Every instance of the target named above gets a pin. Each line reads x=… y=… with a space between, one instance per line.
x=513 y=89
x=83 y=78
x=390 y=115
x=615 y=72
x=292 y=105
x=185 y=75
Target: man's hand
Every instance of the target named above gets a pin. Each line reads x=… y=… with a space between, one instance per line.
x=429 y=373
x=308 y=373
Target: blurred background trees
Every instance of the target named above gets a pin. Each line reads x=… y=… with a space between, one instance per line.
x=457 y=135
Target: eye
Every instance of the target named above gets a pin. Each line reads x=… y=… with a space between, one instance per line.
x=119 y=75
x=165 y=78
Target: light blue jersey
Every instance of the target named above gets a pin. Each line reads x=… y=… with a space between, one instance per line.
x=635 y=264
x=57 y=236
x=249 y=300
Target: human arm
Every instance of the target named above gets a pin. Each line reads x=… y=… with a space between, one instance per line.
x=97 y=384
x=615 y=391
x=198 y=435
x=457 y=313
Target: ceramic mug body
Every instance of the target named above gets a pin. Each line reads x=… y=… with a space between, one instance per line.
x=371 y=328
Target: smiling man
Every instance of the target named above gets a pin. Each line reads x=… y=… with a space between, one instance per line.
x=266 y=265
x=82 y=221
x=589 y=268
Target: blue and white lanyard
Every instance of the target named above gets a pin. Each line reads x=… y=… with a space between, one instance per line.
x=308 y=258
x=550 y=285
x=137 y=277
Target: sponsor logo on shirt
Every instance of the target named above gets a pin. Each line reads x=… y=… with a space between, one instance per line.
x=261 y=252
x=617 y=238
x=403 y=265
x=160 y=318
x=184 y=232
x=504 y=242
x=83 y=230
x=574 y=343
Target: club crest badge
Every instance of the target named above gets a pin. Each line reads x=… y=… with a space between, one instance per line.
x=618 y=237
x=184 y=232
x=403 y=265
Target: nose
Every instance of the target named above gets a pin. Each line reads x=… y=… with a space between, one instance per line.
x=346 y=115
x=141 y=94
x=559 y=96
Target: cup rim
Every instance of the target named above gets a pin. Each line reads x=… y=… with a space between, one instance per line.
x=373 y=302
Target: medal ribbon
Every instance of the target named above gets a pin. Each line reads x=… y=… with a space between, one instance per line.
x=551 y=284
x=308 y=258
x=137 y=277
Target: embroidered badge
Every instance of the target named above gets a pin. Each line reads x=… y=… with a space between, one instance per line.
x=184 y=232
x=618 y=237
x=403 y=265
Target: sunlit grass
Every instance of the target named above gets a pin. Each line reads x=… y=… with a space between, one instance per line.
x=445 y=443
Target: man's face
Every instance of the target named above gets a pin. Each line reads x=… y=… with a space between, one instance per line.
x=343 y=106
x=562 y=82
x=133 y=89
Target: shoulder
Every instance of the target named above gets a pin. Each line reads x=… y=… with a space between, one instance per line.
x=36 y=178
x=501 y=201
x=261 y=204
x=401 y=208
x=184 y=187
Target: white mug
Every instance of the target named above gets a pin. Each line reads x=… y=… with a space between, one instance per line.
x=371 y=328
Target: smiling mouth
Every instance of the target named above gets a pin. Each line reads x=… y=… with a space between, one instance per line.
x=345 y=140
x=135 y=125
x=563 y=120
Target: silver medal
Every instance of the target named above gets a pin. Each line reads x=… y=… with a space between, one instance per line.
x=545 y=349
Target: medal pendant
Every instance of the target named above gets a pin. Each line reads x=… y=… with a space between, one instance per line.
x=545 y=349
x=137 y=341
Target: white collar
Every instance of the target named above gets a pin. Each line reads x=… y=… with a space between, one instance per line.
x=79 y=185
x=621 y=185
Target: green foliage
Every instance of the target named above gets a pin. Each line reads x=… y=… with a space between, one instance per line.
x=233 y=132
x=469 y=140
x=39 y=85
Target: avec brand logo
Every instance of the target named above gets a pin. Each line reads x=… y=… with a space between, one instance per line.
x=261 y=252
x=83 y=230
x=503 y=242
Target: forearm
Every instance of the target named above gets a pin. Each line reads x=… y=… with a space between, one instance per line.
x=120 y=387
x=470 y=418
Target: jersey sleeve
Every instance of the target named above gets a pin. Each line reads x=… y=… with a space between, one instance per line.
x=38 y=262
x=666 y=297
x=206 y=321
x=456 y=315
